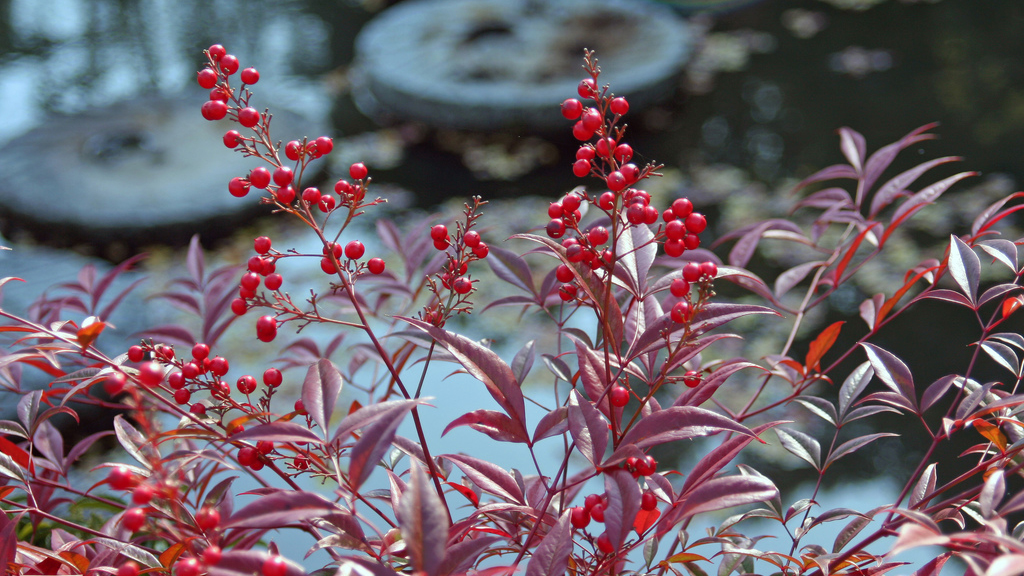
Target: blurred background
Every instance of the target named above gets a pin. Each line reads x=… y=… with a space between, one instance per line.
x=103 y=152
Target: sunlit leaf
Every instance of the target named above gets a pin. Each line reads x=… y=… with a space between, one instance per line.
x=489 y=477
x=964 y=267
x=552 y=555
x=820 y=345
x=800 y=445
x=320 y=390
x=281 y=508
x=892 y=372
x=851 y=446
x=424 y=522
x=588 y=427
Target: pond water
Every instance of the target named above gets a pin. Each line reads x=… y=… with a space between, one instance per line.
x=758 y=107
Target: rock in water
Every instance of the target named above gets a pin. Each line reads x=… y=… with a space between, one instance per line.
x=487 y=64
x=149 y=171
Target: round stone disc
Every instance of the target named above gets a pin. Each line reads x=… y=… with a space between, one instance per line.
x=129 y=168
x=486 y=64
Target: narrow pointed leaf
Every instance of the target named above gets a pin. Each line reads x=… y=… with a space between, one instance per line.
x=623 y=495
x=853 y=146
x=892 y=372
x=372 y=446
x=492 y=423
x=282 y=508
x=489 y=477
x=992 y=493
x=717 y=459
x=800 y=445
x=724 y=492
x=851 y=446
x=680 y=423
x=320 y=392
x=925 y=487
x=820 y=407
x=965 y=267
x=551 y=558
x=552 y=424
x=821 y=344
x=511 y=268
x=1003 y=355
x=280 y=431
x=367 y=415
x=423 y=522
x=588 y=427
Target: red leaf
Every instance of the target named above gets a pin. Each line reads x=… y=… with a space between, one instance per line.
x=645 y=519
x=821 y=345
x=320 y=392
x=494 y=424
x=424 y=522
x=551 y=558
x=588 y=427
x=489 y=477
x=841 y=267
x=467 y=492
x=16 y=453
x=280 y=509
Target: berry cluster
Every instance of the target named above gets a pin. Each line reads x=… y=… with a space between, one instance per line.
x=593 y=509
x=465 y=248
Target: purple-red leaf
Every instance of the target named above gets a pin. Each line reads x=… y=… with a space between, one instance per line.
x=280 y=431
x=392 y=409
x=965 y=267
x=551 y=558
x=897 y=186
x=280 y=509
x=320 y=391
x=720 y=457
x=489 y=477
x=852 y=446
x=494 y=424
x=800 y=445
x=700 y=394
x=424 y=523
x=718 y=494
x=828 y=173
x=237 y=562
x=486 y=366
x=552 y=424
x=623 y=495
x=593 y=375
x=919 y=199
x=588 y=427
x=680 y=423
x=853 y=146
x=511 y=268
x=892 y=372
x=372 y=445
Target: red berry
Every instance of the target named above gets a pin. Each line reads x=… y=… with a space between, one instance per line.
x=578 y=516
x=630 y=172
x=326 y=203
x=220 y=93
x=439 y=232
x=216 y=51
x=200 y=351
x=229 y=64
x=311 y=195
x=283 y=176
x=674 y=248
x=616 y=181
x=198 y=409
x=266 y=331
x=238 y=187
x=357 y=171
x=636 y=214
x=556 y=228
x=618 y=396
x=354 y=250
x=293 y=150
x=597 y=512
x=647 y=465
x=587 y=88
x=333 y=248
x=619 y=106
x=696 y=222
x=481 y=250
x=691 y=378
x=250 y=76
x=188 y=566
x=570 y=203
x=709 y=269
x=343 y=187
x=591 y=120
x=262 y=245
x=207 y=78
x=324 y=145
x=214 y=110
x=604 y=544
x=248 y=117
x=300 y=407
x=120 y=478
x=682 y=207
x=207 y=518
x=691 y=272
x=272 y=377
x=250 y=281
x=265 y=447
x=275 y=566
x=133 y=519
x=128 y=569
x=692 y=241
x=182 y=396
x=231 y=138
x=571 y=109
x=259 y=177
x=142 y=494
x=135 y=354
x=679 y=288
x=247 y=384
x=555 y=210
x=580 y=132
x=675 y=230
x=564 y=274
x=219 y=366
x=273 y=282
x=285 y=195
x=115 y=383
x=623 y=153
x=247 y=456
x=591 y=500
x=212 y=555
x=376 y=265
x=581 y=168
x=648 y=501
x=567 y=292
x=606 y=201
x=651 y=215
x=327 y=265
x=597 y=235
x=680 y=312
x=471 y=238
x=586 y=152
x=239 y=307
x=604 y=147
x=462 y=285
x=151 y=374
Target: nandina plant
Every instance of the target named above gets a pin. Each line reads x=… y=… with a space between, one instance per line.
x=647 y=370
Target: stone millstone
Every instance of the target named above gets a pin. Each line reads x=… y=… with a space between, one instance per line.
x=134 y=170
x=486 y=64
